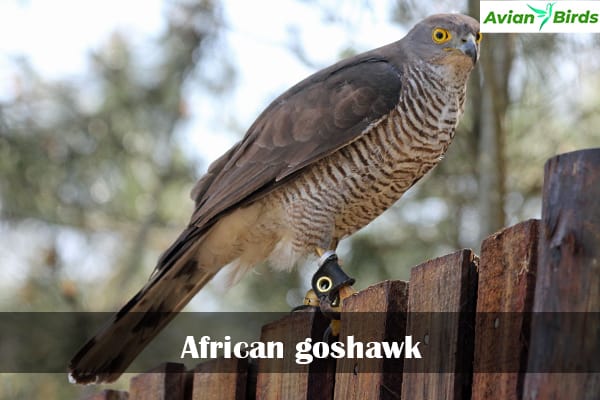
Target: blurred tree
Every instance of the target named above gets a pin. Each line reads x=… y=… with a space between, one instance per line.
x=99 y=156
x=91 y=169
x=94 y=181
x=490 y=100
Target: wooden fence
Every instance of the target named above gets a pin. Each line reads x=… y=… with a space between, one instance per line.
x=550 y=265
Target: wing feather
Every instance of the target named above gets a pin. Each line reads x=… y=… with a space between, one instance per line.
x=313 y=119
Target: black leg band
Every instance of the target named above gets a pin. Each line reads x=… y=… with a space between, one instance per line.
x=329 y=278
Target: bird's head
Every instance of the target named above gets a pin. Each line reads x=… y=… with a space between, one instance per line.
x=446 y=39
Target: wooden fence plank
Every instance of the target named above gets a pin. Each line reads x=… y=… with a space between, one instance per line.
x=220 y=379
x=167 y=381
x=374 y=314
x=110 y=395
x=504 y=300
x=286 y=379
x=568 y=282
x=442 y=297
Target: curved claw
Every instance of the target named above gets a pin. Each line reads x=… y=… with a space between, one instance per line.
x=311 y=299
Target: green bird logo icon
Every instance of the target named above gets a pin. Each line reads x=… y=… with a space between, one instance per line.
x=545 y=14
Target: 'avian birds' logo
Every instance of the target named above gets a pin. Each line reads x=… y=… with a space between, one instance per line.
x=544 y=14
x=560 y=16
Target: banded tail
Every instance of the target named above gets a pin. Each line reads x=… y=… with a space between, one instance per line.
x=177 y=278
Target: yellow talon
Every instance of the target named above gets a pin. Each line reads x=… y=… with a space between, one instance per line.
x=319 y=251
x=311 y=299
x=345 y=292
x=335 y=327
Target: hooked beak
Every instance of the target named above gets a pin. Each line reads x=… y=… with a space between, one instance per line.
x=469 y=47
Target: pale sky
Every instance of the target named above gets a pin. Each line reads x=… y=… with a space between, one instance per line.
x=57 y=36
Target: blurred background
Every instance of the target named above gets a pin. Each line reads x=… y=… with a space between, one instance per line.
x=109 y=112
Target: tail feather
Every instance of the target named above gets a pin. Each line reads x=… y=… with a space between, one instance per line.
x=107 y=355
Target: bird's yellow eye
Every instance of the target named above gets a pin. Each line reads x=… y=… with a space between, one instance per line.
x=479 y=37
x=440 y=35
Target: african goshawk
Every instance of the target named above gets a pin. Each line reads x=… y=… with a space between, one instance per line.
x=322 y=161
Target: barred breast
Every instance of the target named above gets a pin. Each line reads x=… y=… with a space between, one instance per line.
x=348 y=189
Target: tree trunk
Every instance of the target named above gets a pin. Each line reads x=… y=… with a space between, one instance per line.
x=489 y=109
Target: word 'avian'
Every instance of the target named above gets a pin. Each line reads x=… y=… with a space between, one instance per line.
x=320 y=162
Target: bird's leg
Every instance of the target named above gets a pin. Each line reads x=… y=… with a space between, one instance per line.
x=330 y=286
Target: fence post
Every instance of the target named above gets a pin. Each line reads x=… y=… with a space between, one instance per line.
x=286 y=379
x=109 y=394
x=505 y=291
x=167 y=381
x=568 y=282
x=441 y=301
x=374 y=314
x=560 y=336
x=220 y=379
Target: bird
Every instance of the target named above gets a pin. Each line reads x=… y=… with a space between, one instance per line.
x=545 y=14
x=323 y=160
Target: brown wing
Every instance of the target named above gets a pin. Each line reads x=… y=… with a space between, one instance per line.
x=311 y=120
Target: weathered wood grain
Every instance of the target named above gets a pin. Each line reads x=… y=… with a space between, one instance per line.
x=441 y=300
x=167 y=381
x=220 y=379
x=504 y=301
x=286 y=379
x=565 y=328
x=377 y=313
